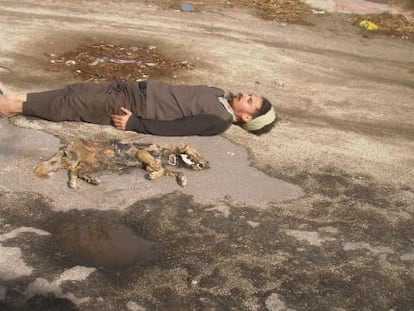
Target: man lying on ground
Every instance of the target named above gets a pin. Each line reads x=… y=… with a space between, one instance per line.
x=149 y=107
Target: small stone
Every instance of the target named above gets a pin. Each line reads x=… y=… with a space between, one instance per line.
x=274 y=303
x=133 y=306
x=253 y=223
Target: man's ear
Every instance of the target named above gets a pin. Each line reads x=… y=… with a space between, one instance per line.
x=246 y=117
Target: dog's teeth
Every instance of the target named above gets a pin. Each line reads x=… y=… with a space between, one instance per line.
x=186 y=159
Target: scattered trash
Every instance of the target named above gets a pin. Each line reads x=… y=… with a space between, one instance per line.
x=187 y=7
x=395 y=25
x=51 y=55
x=108 y=61
x=70 y=62
x=95 y=62
x=123 y=61
x=186 y=64
x=368 y=25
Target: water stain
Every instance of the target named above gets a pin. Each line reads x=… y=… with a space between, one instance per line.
x=102 y=244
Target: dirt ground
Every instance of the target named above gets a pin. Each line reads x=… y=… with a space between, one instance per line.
x=333 y=228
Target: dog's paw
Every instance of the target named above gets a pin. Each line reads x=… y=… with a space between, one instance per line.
x=94 y=181
x=154 y=174
x=151 y=175
x=181 y=180
x=72 y=184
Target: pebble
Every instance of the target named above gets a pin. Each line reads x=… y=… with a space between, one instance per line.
x=133 y=306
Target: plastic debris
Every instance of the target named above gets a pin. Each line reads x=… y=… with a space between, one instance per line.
x=186 y=64
x=106 y=61
x=123 y=61
x=70 y=62
x=318 y=12
x=368 y=25
x=95 y=62
x=186 y=7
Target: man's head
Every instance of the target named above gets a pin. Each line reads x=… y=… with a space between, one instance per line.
x=254 y=113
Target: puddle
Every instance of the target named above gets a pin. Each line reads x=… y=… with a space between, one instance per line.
x=110 y=246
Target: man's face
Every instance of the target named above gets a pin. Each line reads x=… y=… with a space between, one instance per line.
x=246 y=105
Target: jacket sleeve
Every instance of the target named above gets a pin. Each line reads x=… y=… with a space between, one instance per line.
x=202 y=125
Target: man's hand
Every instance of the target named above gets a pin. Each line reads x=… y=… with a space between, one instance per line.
x=120 y=121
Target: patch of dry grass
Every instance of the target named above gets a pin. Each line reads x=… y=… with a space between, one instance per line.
x=290 y=11
x=388 y=24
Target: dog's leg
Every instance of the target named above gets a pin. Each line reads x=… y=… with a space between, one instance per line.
x=179 y=177
x=154 y=168
x=83 y=174
x=73 y=176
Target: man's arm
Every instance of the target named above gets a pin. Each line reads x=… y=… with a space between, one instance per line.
x=203 y=125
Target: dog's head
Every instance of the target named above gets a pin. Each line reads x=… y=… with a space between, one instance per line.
x=196 y=163
x=188 y=157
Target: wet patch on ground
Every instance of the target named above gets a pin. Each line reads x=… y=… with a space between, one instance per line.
x=348 y=245
x=229 y=177
x=98 y=242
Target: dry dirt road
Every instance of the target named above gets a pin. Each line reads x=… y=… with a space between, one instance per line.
x=321 y=220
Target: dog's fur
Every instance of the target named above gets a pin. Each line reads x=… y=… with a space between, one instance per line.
x=82 y=157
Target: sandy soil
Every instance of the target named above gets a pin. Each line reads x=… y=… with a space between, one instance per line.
x=345 y=136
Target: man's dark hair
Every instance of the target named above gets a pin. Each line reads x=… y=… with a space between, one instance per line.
x=266 y=106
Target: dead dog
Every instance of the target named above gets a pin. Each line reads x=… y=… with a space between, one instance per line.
x=82 y=157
